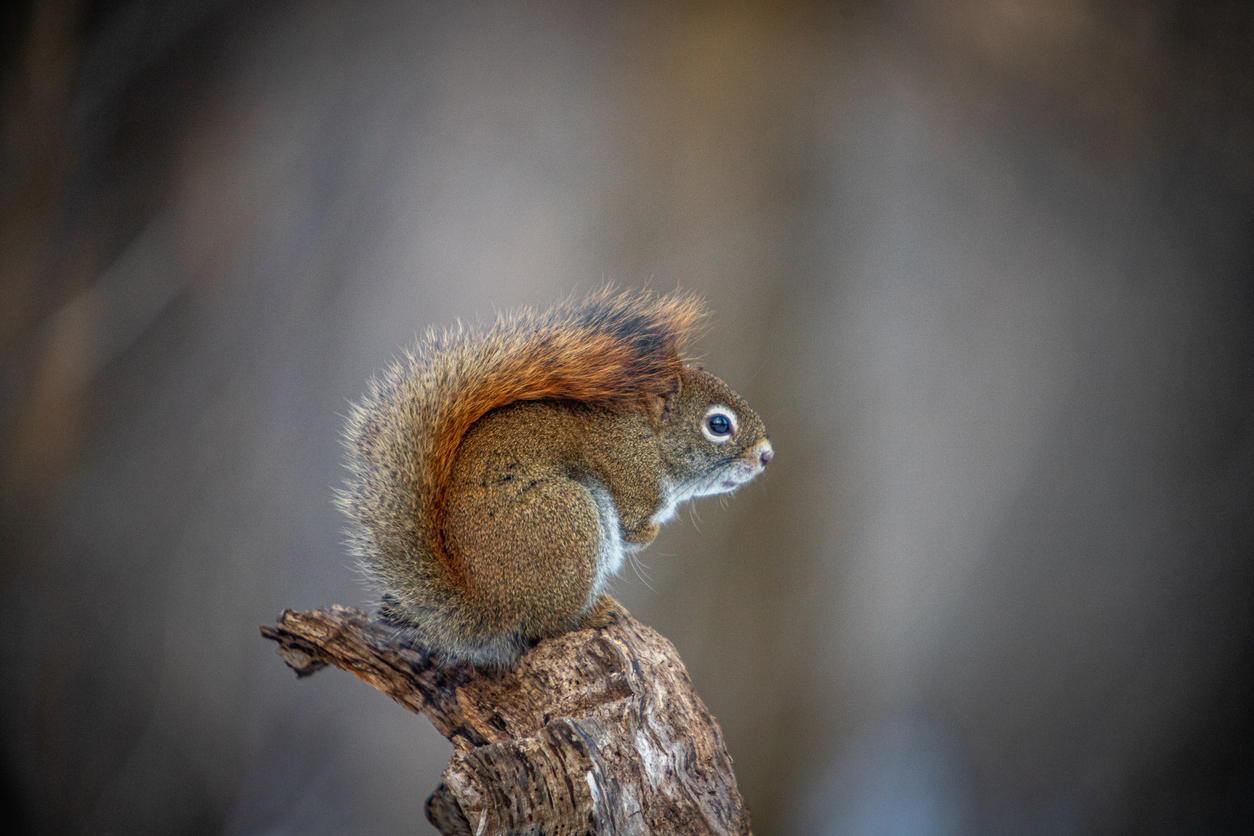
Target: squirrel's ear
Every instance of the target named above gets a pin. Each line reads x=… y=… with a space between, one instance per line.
x=659 y=402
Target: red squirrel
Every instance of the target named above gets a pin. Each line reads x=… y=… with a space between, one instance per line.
x=500 y=475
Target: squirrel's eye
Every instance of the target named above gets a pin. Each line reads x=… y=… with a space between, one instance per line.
x=720 y=424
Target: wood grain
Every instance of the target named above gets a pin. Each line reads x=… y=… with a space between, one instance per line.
x=598 y=731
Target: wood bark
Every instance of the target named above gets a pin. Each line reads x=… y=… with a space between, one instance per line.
x=598 y=731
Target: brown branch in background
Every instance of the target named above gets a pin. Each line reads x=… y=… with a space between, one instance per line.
x=593 y=732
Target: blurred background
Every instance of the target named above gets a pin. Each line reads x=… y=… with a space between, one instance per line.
x=985 y=268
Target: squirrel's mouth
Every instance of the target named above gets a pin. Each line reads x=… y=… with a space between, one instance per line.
x=737 y=474
x=729 y=477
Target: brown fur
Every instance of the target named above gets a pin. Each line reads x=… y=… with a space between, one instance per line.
x=612 y=351
x=606 y=350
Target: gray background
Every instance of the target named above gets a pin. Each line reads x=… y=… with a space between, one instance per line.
x=984 y=268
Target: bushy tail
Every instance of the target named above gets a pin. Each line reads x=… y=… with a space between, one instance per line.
x=606 y=349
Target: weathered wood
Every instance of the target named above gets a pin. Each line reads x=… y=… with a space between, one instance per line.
x=593 y=732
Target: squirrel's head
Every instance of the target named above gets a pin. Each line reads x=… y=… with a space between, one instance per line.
x=712 y=442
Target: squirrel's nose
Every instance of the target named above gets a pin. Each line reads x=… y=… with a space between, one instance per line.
x=768 y=453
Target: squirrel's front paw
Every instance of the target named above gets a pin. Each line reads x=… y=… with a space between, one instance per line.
x=642 y=535
x=605 y=612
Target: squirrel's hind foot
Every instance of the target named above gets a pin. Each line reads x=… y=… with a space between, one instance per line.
x=605 y=611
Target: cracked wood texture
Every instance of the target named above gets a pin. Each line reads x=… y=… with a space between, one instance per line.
x=598 y=731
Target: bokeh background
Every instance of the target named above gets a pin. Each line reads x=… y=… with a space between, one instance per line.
x=985 y=267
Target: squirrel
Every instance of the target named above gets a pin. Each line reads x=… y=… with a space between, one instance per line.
x=498 y=476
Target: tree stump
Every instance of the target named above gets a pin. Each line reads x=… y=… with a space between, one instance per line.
x=598 y=731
